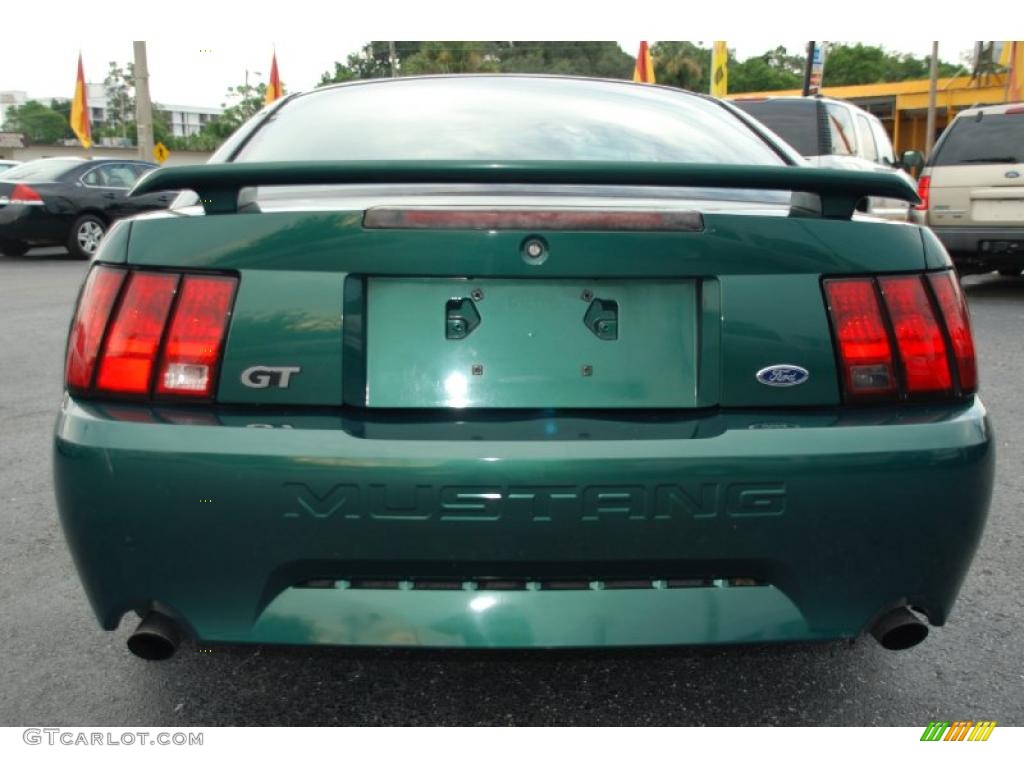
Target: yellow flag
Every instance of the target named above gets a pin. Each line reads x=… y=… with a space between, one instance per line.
x=80 y=121
x=719 y=69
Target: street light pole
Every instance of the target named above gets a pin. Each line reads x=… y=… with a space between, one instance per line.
x=143 y=106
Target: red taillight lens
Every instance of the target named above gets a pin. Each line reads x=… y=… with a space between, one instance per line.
x=154 y=344
x=196 y=335
x=924 y=188
x=24 y=194
x=918 y=336
x=920 y=329
x=98 y=296
x=128 y=357
x=954 y=312
x=861 y=336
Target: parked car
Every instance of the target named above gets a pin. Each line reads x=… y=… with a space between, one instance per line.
x=6 y=165
x=511 y=361
x=836 y=134
x=69 y=201
x=972 y=189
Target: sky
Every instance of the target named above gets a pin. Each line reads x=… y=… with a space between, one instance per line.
x=197 y=72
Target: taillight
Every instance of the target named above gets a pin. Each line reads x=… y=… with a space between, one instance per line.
x=25 y=195
x=139 y=332
x=195 y=337
x=861 y=337
x=924 y=188
x=953 y=307
x=900 y=345
x=918 y=336
x=126 y=365
x=101 y=289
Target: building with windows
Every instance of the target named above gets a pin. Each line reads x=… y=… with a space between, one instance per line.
x=182 y=120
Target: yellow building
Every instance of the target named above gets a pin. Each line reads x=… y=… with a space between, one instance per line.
x=903 y=107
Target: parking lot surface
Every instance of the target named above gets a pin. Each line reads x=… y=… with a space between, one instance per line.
x=58 y=667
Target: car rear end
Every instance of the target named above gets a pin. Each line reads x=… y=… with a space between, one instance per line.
x=31 y=207
x=523 y=404
x=972 y=189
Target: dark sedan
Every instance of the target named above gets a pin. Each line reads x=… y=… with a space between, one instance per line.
x=69 y=201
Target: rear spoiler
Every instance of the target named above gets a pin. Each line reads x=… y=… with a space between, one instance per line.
x=828 y=193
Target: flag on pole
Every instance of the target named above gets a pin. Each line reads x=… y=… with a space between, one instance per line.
x=643 y=72
x=274 y=90
x=81 y=123
x=719 y=69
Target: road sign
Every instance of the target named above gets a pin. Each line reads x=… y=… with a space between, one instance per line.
x=161 y=153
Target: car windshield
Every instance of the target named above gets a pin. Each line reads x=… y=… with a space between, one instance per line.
x=506 y=119
x=986 y=138
x=49 y=169
x=794 y=120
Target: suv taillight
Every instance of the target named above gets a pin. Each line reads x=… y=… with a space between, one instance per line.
x=902 y=336
x=140 y=333
x=924 y=188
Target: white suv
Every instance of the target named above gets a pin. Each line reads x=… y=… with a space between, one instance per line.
x=972 y=189
x=836 y=134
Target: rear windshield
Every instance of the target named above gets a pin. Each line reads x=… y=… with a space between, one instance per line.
x=795 y=121
x=49 y=169
x=992 y=139
x=506 y=119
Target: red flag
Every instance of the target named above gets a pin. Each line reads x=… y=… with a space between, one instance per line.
x=80 y=121
x=274 y=90
x=643 y=72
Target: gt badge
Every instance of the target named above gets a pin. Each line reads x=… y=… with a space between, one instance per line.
x=783 y=375
x=263 y=376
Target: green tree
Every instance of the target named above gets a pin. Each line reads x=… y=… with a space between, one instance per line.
x=593 y=59
x=242 y=102
x=683 y=64
x=457 y=57
x=584 y=58
x=119 y=88
x=39 y=123
x=372 y=60
x=861 y=64
x=773 y=70
x=63 y=107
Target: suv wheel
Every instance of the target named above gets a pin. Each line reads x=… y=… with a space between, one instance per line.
x=86 y=234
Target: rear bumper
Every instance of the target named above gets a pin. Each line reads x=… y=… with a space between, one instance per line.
x=32 y=224
x=992 y=247
x=732 y=528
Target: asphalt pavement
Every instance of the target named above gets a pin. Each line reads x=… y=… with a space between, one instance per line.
x=58 y=668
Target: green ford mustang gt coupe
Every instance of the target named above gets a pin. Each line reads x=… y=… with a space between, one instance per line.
x=519 y=362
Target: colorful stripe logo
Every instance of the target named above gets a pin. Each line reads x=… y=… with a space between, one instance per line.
x=958 y=730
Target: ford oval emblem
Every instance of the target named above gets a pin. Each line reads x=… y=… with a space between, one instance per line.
x=783 y=375
x=1012 y=175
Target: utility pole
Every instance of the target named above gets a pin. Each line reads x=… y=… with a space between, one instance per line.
x=391 y=57
x=143 y=106
x=808 y=67
x=933 y=86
